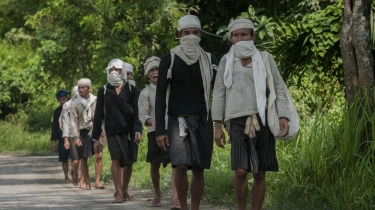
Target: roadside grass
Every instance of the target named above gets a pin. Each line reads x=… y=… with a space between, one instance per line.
x=16 y=140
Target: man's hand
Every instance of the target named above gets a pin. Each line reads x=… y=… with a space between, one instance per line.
x=163 y=142
x=227 y=128
x=220 y=137
x=53 y=146
x=96 y=145
x=77 y=142
x=284 y=126
x=66 y=143
x=151 y=122
x=102 y=133
x=137 y=137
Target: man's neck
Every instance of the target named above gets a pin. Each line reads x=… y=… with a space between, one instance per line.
x=86 y=96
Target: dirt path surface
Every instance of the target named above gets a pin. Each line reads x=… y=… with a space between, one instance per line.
x=36 y=182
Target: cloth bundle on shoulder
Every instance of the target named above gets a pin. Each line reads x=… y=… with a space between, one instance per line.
x=272 y=118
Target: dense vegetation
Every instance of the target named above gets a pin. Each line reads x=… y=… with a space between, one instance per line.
x=46 y=45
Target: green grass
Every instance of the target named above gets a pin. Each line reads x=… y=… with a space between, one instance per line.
x=15 y=139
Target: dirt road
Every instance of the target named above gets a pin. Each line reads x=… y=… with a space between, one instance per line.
x=35 y=182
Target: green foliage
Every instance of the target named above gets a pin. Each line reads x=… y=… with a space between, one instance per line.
x=15 y=139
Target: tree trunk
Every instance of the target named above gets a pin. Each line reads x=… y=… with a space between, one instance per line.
x=356 y=48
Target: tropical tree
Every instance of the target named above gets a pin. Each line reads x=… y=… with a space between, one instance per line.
x=355 y=47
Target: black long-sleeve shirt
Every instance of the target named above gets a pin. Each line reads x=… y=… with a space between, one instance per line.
x=56 y=133
x=186 y=90
x=121 y=111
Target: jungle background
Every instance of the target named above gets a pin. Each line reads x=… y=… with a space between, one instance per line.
x=47 y=45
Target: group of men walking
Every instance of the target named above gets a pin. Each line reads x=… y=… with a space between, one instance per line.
x=181 y=113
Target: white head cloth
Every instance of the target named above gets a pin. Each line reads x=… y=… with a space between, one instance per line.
x=75 y=91
x=118 y=64
x=247 y=49
x=240 y=23
x=189 y=21
x=128 y=67
x=151 y=62
x=86 y=103
x=84 y=82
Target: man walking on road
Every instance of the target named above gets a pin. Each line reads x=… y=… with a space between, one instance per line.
x=56 y=134
x=188 y=72
x=81 y=120
x=118 y=106
x=155 y=155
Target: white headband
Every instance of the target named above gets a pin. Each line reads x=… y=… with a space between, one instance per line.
x=127 y=67
x=240 y=23
x=151 y=62
x=117 y=63
x=189 y=21
x=84 y=82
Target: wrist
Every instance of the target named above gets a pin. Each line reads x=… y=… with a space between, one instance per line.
x=218 y=124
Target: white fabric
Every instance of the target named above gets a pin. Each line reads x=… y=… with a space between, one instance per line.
x=189 y=21
x=132 y=82
x=246 y=49
x=190 y=52
x=240 y=23
x=84 y=82
x=272 y=112
x=116 y=79
x=183 y=126
x=75 y=92
x=128 y=67
x=151 y=62
x=87 y=104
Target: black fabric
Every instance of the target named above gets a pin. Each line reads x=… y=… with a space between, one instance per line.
x=154 y=153
x=121 y=111
x=186 y=90
x=73 y=150
x=196 y=148
x=56 y=132
x=122 y=147
x=63 y=153
x=87 y=149
x=253 y=154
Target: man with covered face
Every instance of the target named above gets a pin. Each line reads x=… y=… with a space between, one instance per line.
x=189 y=75
x=242 y=77
x=117 y=107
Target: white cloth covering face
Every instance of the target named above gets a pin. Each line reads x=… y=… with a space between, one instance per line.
x=246 y=49
x=190 y=52
x=114 y=78
x=189 y=21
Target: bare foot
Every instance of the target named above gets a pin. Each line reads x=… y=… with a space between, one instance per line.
x=75 y=179
x=88 y=187
x=157 y=200
x=118 y=200
x=126 y=196
x=175 y=207
x=67 y=180
x=99 y=186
